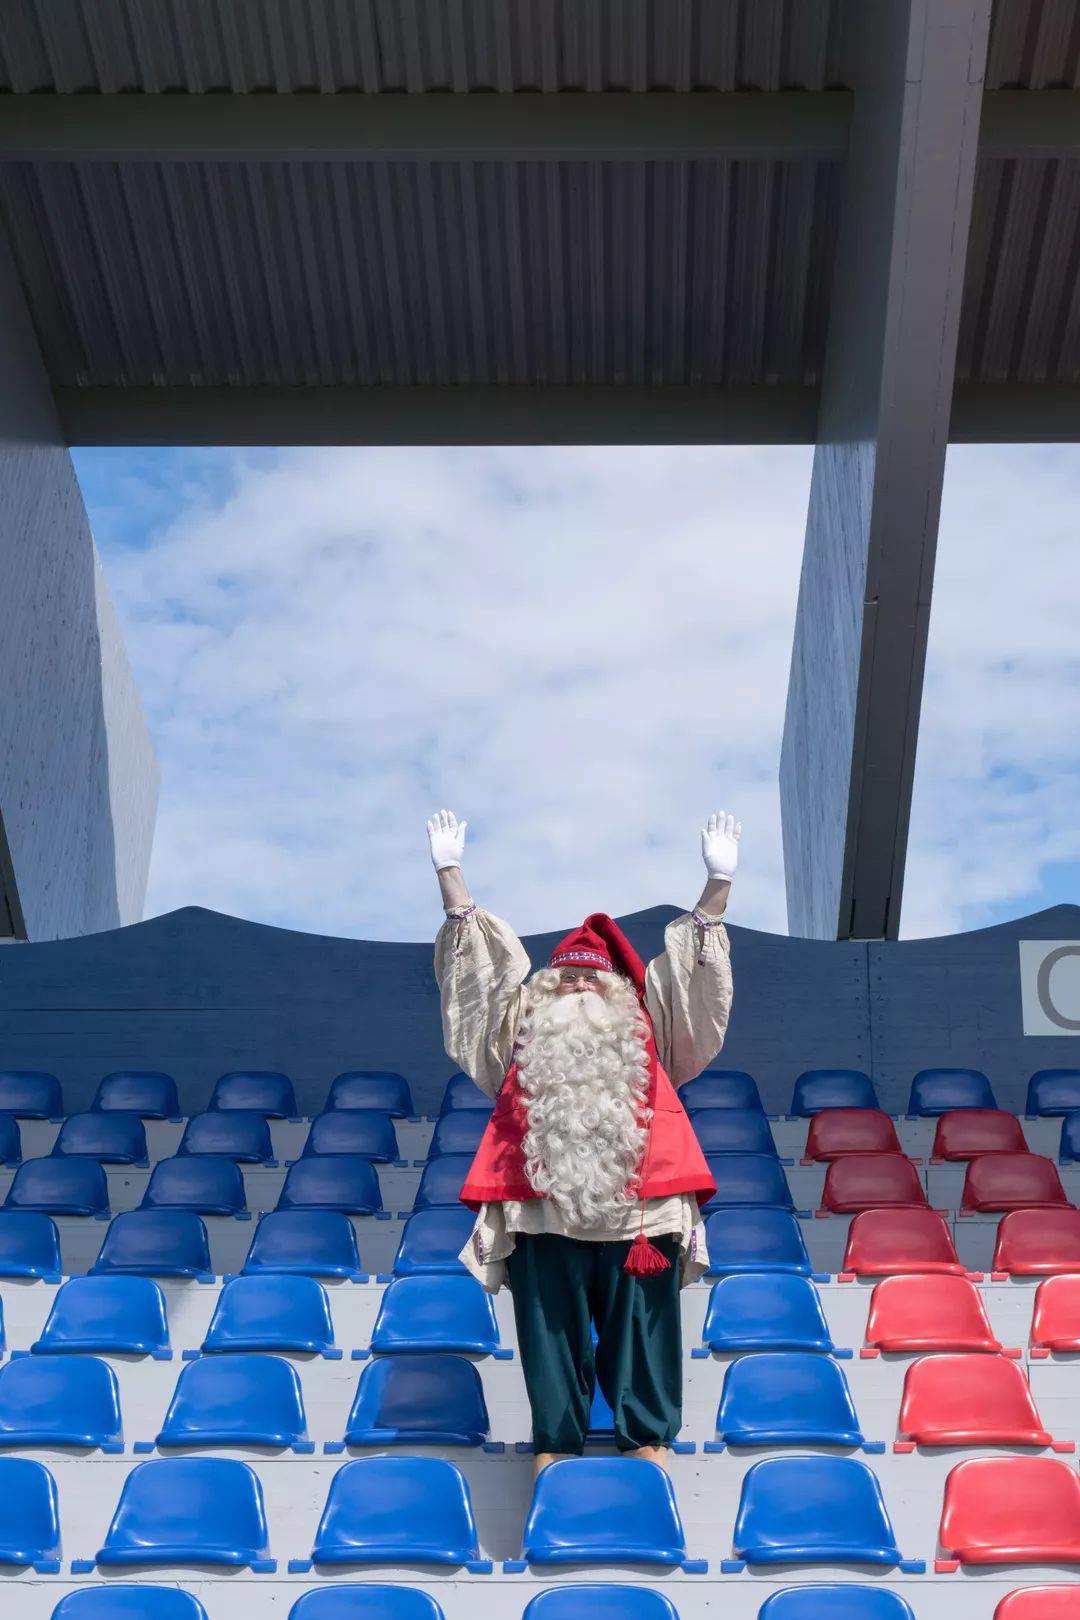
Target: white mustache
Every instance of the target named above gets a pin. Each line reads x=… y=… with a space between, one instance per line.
x=584 y=1011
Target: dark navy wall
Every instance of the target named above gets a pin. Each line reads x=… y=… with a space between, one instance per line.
x=196 y=993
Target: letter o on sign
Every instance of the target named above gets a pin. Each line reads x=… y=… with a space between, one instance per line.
x=1046 y=966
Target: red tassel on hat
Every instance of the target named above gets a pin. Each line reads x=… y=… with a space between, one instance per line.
x=645 y=1258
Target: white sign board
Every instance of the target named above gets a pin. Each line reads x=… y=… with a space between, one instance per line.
x=1050 y=986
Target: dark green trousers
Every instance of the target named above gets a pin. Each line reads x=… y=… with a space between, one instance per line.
x=561 y=1287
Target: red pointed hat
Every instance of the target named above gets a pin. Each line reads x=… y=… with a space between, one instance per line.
x=600 y=943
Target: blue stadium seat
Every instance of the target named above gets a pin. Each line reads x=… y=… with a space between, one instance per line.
x=786 y=1399
x=603 y=1510
x=750 y=1239
x=722 y=1088
x=207 y=1185
x=30 y=1094
x=458 y=1132
x=835 y=1603
x=106 y=1316
x=430 y=1400
x=272 y=1313
x=442 y=1181
x=338 y=1181
x=1053 y=1091
x=188 y=1510
x=397 y=1510
x=234 y=1133
x=60 y=1401
x=155 y=1243
x=146 y=1092
x=10 y=1140
x=436 y=1313
x=357 y=1131
x=305 y=1243
x=380 y=1089
x=29 y=1245
x=432 y=1241
x=747 y=1178
x=732 y=1130
x=816 y=1089
x=813 y=1510
x=368 y=1602
x=30 y=1519
x=600 y=1603
x=60 y=1187
x=938 y=1091
x=243 y=1400
x=463 y=1092
x=109 y=1138
x=258 y=1091
x=771 y=1311
x=129 y=1603
x=1069 y=1148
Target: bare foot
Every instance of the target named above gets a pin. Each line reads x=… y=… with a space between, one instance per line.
x=654 y=1454
x=542 y=1458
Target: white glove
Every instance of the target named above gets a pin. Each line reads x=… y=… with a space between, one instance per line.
x=446 y=836
x=720 y=845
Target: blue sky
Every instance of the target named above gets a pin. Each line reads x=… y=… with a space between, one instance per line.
x=581 y=651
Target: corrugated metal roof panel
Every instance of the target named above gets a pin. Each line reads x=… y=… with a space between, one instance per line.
x=1034 y=45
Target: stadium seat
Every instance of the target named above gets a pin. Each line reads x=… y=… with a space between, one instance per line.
x=751 y=1239
x=397 y=1510
x=732 y=1130
x=816 y=1089
x=337 y=1181
x=1038 y=1242
x=786 y=1399
x=59 y=1187
x=436 y=1313
x=442 y=1181
x=29 y=1245
x=458 y=1132
x=969 y=1401
x=207 y=1185
x=368 y=1602
x=1055 y=1321
x=920 y=1313
x=772 y=1311
x=129 y=1603
x=272 y=1313
x=836 y=1132
x=813 y=1510
x=432 y=1241
x=747 y=1178
x=60 y=1401
x=835 y=1603
x=939 y=1091
x=109 y=1138
x=428 y=1400
x=1053 y=1091
x=603 y=1510
x=106 y=1316
x=463 y=1092
x=189 y=1510
x=155 y=1243
x=1069 y=1144
x=306 y=1243
x=861 y=1181
x=358 y=1131
x=243 y=1400
x=10 y=1140
x=722 y=1088
x=1040 y=1603
x=1011 y=1510
x=380 y=1089
x=234 y=1133
x=600 y=1603
x=146 y=1092
x=964 y=1133
x=884 y=1242
x=1005 y=1181
x=257 y=1091
x=30 y=1518
x=30 y=1094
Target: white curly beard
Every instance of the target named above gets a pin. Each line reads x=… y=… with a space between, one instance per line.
x=583 y=1068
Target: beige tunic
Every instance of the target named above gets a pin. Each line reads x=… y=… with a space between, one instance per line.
x=481 y=967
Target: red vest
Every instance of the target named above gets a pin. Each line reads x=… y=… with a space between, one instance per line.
x=673 y=1161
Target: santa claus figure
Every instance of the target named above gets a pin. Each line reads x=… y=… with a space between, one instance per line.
x=588 y=1180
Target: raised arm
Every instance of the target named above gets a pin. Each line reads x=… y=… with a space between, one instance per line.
x=446 y=839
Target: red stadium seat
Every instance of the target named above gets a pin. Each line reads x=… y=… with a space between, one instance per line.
x=1055 y=1322
x=1011 y=1510
x=969 y=1401
x=963 y=1133
x=1038 y=1242
x=838 y=1131
x=1002 y=1181
x=884 y=1242
x=1040 y=1603
x=928 y=1313
x=869 y=1181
